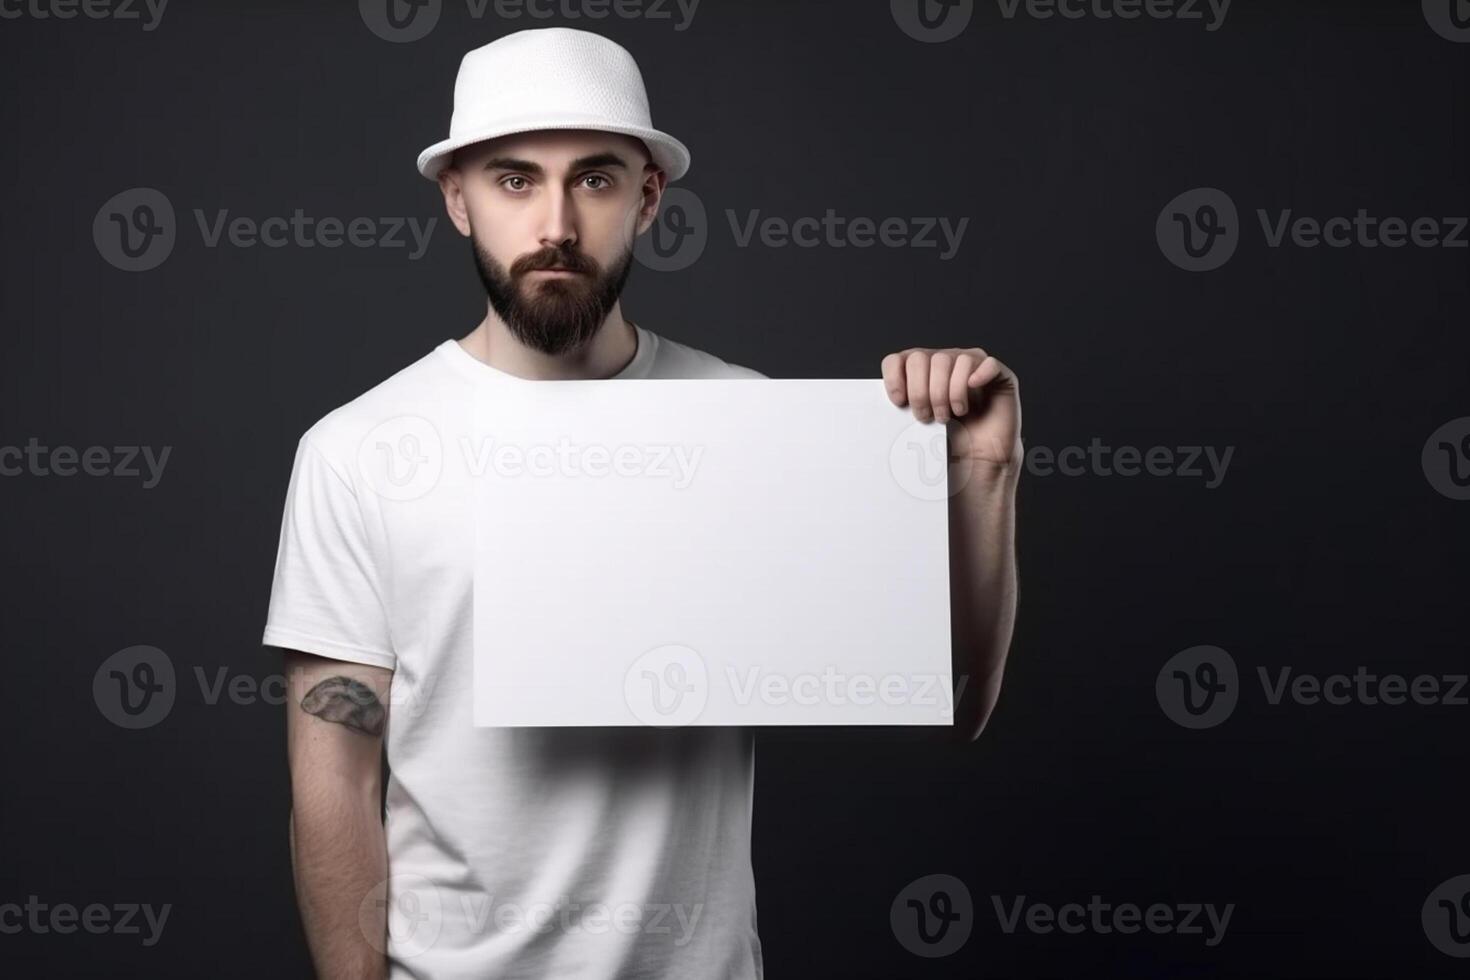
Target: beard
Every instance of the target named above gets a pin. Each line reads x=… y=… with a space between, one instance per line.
x=553 y=316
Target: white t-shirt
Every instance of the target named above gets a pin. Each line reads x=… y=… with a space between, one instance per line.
x=512 y=852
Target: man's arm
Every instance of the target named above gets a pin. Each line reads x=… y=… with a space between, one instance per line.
x=979 y=399
x=982 y=572
x=336 y=713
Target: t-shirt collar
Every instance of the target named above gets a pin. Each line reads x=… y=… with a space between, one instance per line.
x=475 y=369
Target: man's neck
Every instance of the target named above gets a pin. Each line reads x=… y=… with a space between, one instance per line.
x=607 y=353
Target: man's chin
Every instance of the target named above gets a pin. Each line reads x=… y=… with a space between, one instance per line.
x=555 y=340
x=559 y=307
x=556 y=323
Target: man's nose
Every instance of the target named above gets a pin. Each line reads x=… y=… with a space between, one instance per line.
x=558 y=220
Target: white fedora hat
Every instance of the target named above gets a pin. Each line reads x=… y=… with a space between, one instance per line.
x=551 y=78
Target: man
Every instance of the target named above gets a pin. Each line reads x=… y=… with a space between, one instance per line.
x=542 y=852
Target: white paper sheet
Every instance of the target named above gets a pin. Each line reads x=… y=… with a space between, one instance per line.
x=712 y=552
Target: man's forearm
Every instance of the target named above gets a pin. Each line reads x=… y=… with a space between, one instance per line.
x=982 y=547
x=340 y=858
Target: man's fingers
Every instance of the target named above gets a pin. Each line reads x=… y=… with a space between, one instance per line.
x=941 y=367
x=893 y=380
x=989 y=370
x=916 y=372
x=940 y=382
x=959 y=388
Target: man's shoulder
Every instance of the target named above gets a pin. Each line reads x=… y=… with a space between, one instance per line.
x=413 y=392
x=678 y=360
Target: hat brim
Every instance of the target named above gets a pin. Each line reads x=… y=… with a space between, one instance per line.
x=668 y=153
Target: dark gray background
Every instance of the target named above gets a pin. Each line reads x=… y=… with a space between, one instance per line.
x=1327 y=369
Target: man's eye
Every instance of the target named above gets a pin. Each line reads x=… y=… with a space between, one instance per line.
x=600 y=182
x=514 y=182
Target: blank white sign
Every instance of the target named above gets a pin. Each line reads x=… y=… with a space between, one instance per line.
x=709 y=552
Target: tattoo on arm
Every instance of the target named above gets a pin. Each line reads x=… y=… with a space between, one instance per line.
x=347 y=702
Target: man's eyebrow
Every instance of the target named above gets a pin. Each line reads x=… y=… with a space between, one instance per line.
x=512 y=163
x=606 y=159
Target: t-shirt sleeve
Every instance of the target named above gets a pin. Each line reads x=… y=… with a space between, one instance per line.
x=326 y=598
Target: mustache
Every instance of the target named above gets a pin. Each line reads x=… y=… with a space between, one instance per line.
x=560 y=257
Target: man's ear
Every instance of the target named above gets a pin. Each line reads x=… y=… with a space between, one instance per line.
x=654 y=182
x=454 y=203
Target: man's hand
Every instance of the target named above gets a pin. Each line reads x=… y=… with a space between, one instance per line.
x=980 y=399
x=965 y=385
